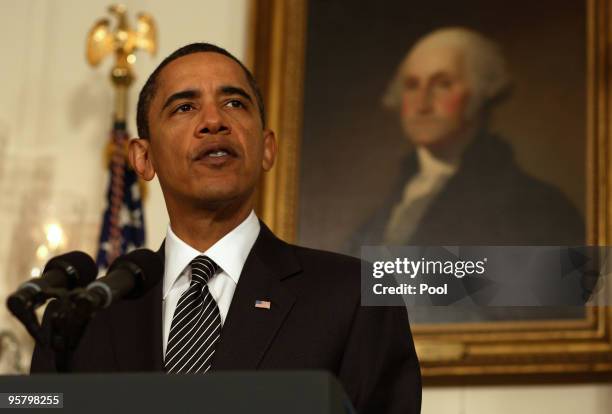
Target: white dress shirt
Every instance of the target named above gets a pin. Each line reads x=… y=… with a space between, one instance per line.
x=229 y=253
x=418 y=193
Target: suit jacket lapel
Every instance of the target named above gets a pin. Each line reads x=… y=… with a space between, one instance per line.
x=248 y=331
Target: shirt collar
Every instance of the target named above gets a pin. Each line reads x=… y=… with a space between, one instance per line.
x=230 y=252
x=435 y=167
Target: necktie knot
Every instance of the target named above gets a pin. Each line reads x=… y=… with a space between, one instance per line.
x=203 y=268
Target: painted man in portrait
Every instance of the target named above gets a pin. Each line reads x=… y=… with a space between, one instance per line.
x=462 y=184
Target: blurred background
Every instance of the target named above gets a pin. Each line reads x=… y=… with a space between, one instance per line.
x=55 y=120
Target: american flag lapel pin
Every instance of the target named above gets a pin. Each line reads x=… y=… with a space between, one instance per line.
x=262 y=304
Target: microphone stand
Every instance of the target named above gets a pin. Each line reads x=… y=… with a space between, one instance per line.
x=67 y=322
x=23 y=306
x=67 y=319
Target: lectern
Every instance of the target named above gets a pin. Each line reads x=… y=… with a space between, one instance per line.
x=228 y=392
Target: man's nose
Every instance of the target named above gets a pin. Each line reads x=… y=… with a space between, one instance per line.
x=212 y=122
x=423 y=100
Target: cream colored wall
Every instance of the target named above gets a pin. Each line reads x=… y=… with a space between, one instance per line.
x=54 y=119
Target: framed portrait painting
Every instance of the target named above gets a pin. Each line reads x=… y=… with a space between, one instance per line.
x=446 y=123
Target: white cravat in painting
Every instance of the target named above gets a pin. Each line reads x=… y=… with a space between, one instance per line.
x=418 y=194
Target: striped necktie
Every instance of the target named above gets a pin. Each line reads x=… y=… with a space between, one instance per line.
x=196 y=324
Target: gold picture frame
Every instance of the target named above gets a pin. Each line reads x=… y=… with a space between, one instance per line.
x=575 y=348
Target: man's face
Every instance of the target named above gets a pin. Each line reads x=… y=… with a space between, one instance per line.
x=435 y=96
x=207 y=143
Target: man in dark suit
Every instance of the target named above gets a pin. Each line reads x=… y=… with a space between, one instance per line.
x=233 y=295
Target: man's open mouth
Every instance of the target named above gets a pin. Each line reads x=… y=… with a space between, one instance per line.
x=216 y=151
x=219 y=153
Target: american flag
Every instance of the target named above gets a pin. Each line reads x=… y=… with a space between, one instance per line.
x=123 y=221
x=263 y=304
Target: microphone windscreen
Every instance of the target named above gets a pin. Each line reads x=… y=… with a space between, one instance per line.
x=78 y=266
x=146 y=263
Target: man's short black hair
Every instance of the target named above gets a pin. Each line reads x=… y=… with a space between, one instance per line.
x=150 y=87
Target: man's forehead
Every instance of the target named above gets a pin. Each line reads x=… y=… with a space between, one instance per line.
x=201 y=69
x=431 y=59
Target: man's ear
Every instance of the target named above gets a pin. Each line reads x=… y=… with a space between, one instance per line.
x=269 y=152
x=139 y=154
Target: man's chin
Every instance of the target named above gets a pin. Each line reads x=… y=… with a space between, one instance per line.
x=431 y=140
x=214 y=198
x=431 y=135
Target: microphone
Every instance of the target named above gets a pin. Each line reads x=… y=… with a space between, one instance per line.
x=130 y=277
x=67 y=271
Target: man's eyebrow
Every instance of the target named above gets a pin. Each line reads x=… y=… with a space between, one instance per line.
x=186 y=94
x=235 y=90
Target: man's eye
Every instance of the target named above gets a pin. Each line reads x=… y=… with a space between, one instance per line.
x=184 y=108
x=235 y=103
